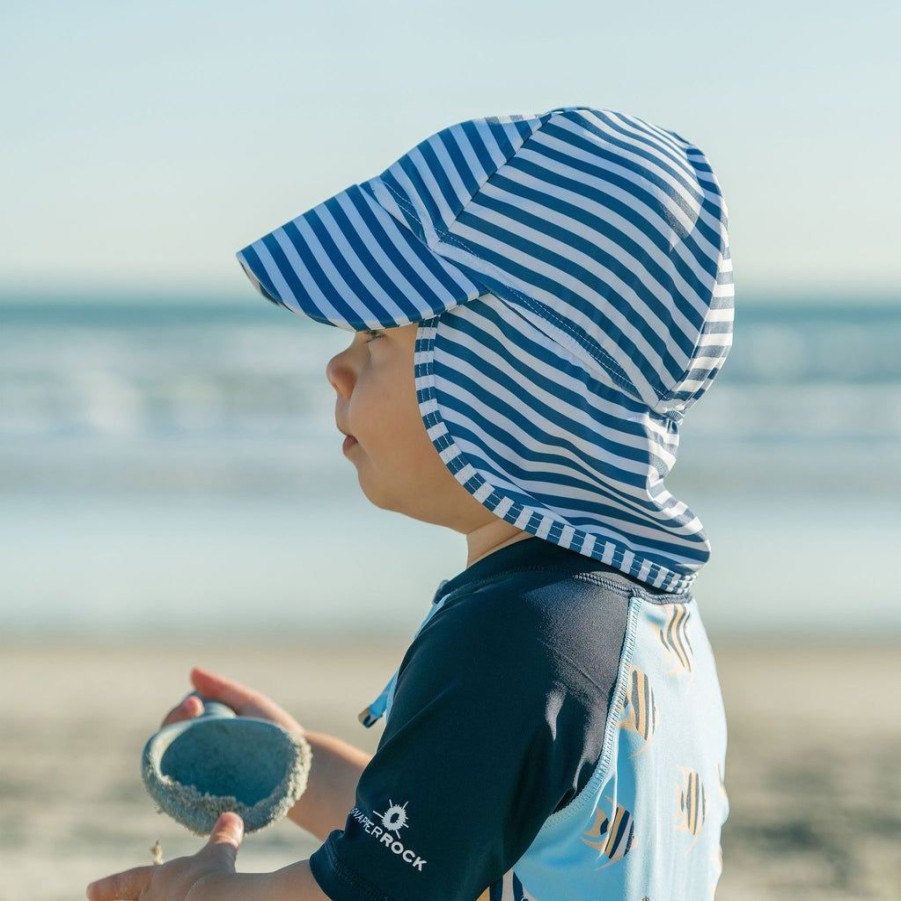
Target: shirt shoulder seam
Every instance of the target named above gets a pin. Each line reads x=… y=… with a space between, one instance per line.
x=568 y=572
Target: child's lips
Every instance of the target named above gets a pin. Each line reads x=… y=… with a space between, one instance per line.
x=349 y=440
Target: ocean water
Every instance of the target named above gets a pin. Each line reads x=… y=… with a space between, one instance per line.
x=173 y=467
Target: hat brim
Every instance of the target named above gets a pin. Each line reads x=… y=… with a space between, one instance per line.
x=349 y=263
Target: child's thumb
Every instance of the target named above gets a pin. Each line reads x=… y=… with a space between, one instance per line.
x=226 y=837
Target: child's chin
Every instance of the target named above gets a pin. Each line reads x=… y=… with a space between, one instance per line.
x=381 y=499
x=371 y=493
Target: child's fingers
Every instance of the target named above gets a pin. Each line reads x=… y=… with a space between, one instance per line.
x=239 y=697
x=121 y=886
x=243 y=700
x=185 y=710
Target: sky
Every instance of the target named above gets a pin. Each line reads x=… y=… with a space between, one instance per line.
x=145 y=143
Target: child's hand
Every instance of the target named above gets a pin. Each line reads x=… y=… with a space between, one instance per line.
x=243 y=700
x=175 y=881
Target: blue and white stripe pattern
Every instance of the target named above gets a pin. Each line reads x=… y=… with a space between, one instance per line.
x=572 y=277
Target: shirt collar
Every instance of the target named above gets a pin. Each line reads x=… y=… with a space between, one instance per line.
x=529 y=553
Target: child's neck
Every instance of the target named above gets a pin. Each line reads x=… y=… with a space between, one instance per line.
x=481 y=545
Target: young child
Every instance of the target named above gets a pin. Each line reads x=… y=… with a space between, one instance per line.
x=535 y=302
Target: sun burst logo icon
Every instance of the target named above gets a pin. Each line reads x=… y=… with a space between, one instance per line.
x=395 y=817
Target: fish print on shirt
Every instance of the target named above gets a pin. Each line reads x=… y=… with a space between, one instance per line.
x=509 y=888
x=692 y=803
x=613 y=835
x=640 y=708
x=674 y=636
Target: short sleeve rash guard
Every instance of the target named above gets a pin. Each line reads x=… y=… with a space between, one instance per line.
x=497 y=721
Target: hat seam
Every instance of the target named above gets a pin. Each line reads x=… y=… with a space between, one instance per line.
x=431 y=227
x=542 y=311
x=605 y=360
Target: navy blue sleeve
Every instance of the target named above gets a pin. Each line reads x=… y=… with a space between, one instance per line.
x=497 y=721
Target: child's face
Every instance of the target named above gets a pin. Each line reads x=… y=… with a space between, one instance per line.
x=397 y=465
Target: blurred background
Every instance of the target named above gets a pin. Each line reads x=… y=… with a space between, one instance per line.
x=172 y=487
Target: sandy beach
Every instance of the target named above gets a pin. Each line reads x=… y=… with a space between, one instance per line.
x=813 y=773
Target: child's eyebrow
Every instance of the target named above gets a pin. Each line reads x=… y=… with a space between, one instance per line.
x=365 y=333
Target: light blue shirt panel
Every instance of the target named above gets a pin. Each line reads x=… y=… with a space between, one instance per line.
x=648 y=823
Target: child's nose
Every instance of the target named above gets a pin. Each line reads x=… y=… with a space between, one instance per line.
x=339 y=374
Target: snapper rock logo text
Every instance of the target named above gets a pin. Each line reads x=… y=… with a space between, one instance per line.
x=393 y=820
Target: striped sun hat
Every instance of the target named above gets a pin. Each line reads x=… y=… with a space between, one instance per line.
x=571 y=275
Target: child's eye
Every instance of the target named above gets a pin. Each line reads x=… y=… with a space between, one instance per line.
x=373 y=334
